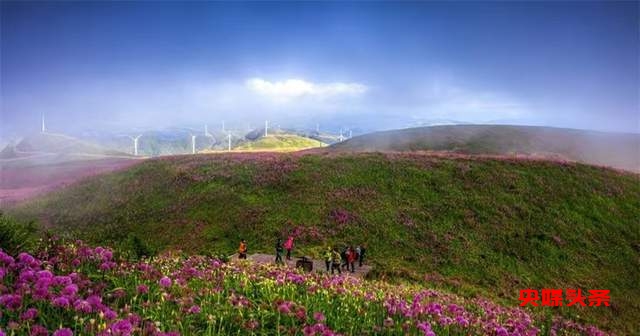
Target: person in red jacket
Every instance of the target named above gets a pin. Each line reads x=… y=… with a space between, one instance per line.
x=351 y=259
x=288 y=245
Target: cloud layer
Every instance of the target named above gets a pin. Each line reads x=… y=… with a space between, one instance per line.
x=294 y=88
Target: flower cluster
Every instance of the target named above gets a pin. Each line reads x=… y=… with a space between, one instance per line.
x=74 y=289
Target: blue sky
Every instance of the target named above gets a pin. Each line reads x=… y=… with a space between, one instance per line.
x=373 y=65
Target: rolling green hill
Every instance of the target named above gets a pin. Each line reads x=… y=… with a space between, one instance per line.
x=474 y=226
x=606 y=149
x=279 y=143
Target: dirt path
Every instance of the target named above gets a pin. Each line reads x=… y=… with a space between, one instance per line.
x=318 y=265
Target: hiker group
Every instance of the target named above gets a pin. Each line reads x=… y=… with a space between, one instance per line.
x=337 y=261
x=334 y=259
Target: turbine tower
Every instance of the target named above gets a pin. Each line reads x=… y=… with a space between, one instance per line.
x=206 y=130
x=193 y=143
x=223 y=126
x=229 y=142
x=318 y=128
x=341 y=137
x=266 y=128
x=350 y=134
x=135 y=144
x=44 y=129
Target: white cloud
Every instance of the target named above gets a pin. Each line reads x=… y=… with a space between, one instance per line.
x=294 y=88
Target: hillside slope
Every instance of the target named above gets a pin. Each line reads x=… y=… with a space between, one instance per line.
x=482 y=226
x=606 y=149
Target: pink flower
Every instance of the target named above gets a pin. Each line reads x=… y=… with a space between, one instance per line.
x=318 y=316
x=165 y=281
x=285 y=307
x=194 y=309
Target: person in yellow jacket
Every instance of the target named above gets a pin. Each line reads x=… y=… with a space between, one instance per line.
x=328 y=258
x=242 y=250
x=337 y=258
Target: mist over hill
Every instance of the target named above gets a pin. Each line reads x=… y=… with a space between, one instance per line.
x=617 y=150
x=54 y=144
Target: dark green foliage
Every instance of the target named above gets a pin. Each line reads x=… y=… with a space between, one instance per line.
x=138 y=248
x=16 y=237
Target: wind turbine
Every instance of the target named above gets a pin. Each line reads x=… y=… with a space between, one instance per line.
x=206 y=131
x=350 y=134
x=229 y=142
x=266 y=128
x=223 y=126
x=135 y=144
x=193 y=143
x=318 y=128
x=44 y=129
x=341 y=137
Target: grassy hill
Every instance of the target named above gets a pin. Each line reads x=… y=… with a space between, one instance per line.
x=607 y=149
x=473 y=226
x=280 y=143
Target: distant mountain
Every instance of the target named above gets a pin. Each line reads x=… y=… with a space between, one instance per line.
x=616 y=150
x=57 y=144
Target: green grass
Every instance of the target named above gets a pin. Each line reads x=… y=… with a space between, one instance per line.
x=475 y=226
x=280 y=142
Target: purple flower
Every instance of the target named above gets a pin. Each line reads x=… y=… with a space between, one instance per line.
x=11 y=301
x=38 y=330
x=82 y=306
x=318 y=316
x=195 y=309
x=143 y=289
x=109 y=314
x=63 y=332
x=121 y=328
x=70 y=290
x=500 y=331
x=61 y=302
x=29 y=314
x=26 y=258
x=165 y=281
x=44 y=274
x=62 y=280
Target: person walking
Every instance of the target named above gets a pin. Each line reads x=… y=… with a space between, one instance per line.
x=288 y=245
x=361 y=255
x=351 y=259
x=343 y=257
x=358 y=251
x=279 y=251
x=242 y=249
x=328 y=258
x=336 y=262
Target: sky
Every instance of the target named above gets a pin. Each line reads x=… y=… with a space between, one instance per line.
x=367 y=65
